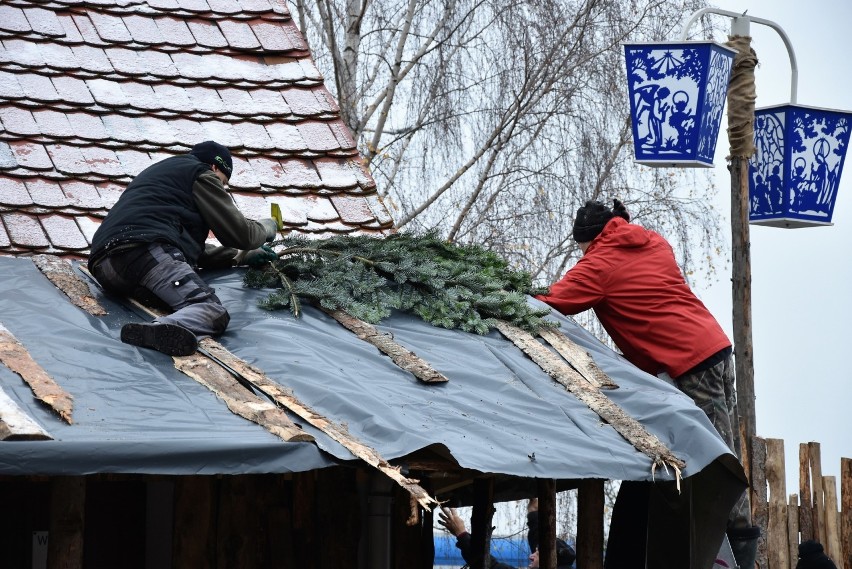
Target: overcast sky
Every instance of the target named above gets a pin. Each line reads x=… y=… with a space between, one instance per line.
x=801 y=293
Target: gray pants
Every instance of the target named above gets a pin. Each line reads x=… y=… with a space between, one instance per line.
x=158 y=273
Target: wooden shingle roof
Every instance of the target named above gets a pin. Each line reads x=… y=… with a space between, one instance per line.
x=91 y=93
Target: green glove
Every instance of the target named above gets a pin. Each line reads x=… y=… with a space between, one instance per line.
x=260 y=256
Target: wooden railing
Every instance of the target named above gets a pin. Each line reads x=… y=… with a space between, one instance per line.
x=813 y=513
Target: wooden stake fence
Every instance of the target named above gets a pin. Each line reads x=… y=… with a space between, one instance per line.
x=814 y=513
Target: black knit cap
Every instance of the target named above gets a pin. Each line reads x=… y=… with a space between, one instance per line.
x=812 y=556
x=592 y=217
x=211 y=152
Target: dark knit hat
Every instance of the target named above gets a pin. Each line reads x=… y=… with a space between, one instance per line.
x=211 y=152
x=591 y=219
x=812 y=556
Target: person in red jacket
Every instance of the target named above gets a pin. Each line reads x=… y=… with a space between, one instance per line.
x=629 y=276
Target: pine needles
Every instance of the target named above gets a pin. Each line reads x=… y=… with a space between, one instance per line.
x=456 y=287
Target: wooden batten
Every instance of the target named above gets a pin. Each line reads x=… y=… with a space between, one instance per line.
x=16 y=425
x=775 y=477
x=62 y=275
x=806 y=521
x=832 y=531
x=815 y=455
x=578 y=358
x=793 y=530
x=759 y=502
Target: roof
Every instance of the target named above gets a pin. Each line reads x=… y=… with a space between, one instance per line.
x=92 y=93
x=498 y=413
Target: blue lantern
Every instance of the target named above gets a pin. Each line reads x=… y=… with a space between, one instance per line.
x=677 y=95
x=795 y=172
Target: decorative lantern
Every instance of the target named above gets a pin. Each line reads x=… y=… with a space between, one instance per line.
x=677 y=95
x=795 y=172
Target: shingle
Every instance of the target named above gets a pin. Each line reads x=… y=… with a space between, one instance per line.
x=109 y=192
x=352 y=209
x=9 y=86
x=207 y=33
x=222 y=132
x=144 y=30
x=67 y=159
x=69 y=27
x=272 y=101
x=59 y=56
x=175 y=31
x=158 y=131
x=286 y=137
x=252 y=206
x=44 y=22
x=192 y=66
x=309 y=69
x=110 y=28
x=294 y=209
x=286 y=69
x=88 y=225
x=18 y=121
x=21 y=52
x=7 y=158
x=342 y=134
x=239 y=101
x=165 y=5
x=141 y=96
x=268 y=171
x=224 y=6
x=188 y=130
x=82 y=195
x=122 y=128
x=13 y=192
x=272 y=36
x=92 y=59
x=323 y=211
x=324 y=96
x=133 y=161
x=13 y=19
x=31 y=155
x=251 y=68
x=336 y=173
x=256 y=6
x=72 y=90
x=303 y=102
x=238 y=34
x=301 y=173
x=25 y=230
x=63 y=232
x=158 y=64
x=194 y=5
x=107 y=93
x=46 y=193
x=53 y=124
x=126 y=61
x=382 y=214
x=4 y=236
x=89 y=127
x=318 y=136
x=254 y=136
x=102 y=161
x=206 y=100
x=38 y=87
x=87 y=29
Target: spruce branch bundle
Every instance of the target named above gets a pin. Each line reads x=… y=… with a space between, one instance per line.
x=447 y=285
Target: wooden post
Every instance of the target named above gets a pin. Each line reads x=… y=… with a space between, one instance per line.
x=480 y=522
x=547 y=523
x=777 y=539
x=67 y=522
x=759 y=501
x=590 y=515
x=846 y=513
x=793 y=531
x=195 y=515
x=819 y=497
x=806 y=520
x=832 y=532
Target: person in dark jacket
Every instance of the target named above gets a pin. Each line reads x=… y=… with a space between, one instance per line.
x=812 y=556
x=154 y=238
x=629 y=276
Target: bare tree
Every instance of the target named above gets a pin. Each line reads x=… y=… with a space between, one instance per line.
x=491 y=121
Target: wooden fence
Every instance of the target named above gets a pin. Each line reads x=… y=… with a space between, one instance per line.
x=813 y=513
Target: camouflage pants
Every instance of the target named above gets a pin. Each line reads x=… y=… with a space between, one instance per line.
x=714 y=392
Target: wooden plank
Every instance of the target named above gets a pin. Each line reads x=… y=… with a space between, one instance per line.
x=401 y=356
x=546 y=492
x=759 y=500
x=590 y=528
x=62 y=275
x=15 y=356
x=832 y=531
x=195 y=513
x=806 y=521
x=578 y=358
x=815 y=454
x=67 y=522
x=16 y=425
x=239 y=400
x=480 y=522
x=775 y=477
x=793 y=531
x=628 y=427
x=846 y=512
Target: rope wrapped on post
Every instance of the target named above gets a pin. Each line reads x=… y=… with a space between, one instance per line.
x=741 y=96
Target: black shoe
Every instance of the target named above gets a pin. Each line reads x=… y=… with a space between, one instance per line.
x=170 y=339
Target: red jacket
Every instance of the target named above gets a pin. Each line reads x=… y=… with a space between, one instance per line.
x=630 y=277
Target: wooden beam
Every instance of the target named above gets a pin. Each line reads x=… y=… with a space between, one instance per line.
x=67 y=522
x=793 y=531
x=480 y=522
x=62 y=275
x=16 y=425
x=195 y=515
x=759 y=498
x=832 y=531
x=590 y=519
x=815 y=454
x=628 y=427
x=15 y=356
x=806 y=521
x=400 y=355
x=845 y=513
x=775 y=476
x=578 y=358
x=546 y=523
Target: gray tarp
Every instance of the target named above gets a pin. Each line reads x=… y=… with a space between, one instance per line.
x=499 y=413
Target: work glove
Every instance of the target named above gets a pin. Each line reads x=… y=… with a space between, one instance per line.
x=257 y=257
x=271 y=226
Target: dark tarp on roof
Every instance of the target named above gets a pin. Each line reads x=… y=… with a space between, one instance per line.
x=135 y=413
